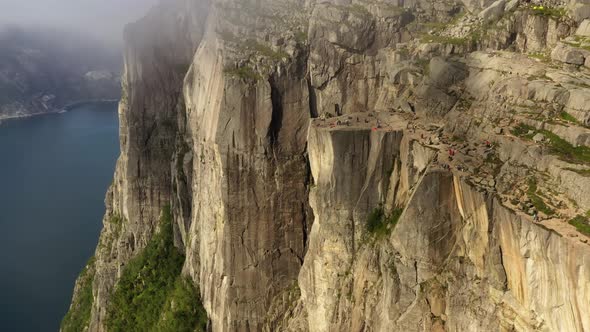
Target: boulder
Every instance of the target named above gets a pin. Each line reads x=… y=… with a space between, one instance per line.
x=568 y=54
x=579 y=102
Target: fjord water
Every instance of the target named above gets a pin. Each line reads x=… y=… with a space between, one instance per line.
x=54 y=172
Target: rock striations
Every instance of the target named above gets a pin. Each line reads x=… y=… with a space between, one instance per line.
x=359 y=165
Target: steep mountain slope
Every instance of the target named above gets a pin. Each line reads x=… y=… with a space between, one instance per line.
x=358 y=166
x=44 y=71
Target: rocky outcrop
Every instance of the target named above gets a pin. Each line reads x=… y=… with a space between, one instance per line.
x=569 y=55
x=456 y=260
x=355 y=172
x=368 y=170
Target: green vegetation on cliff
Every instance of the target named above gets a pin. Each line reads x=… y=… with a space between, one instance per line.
x=445 y=40
x=183 y=310
x=557 y=145
x=567 y=152
x=583 y=172
x=151 y=294
x=524 y=131
x=582 y=223
x=568 y=117
x=78 y=316
x=379 y=224
x=537 y=201
x=264 y=50
x=555 y=13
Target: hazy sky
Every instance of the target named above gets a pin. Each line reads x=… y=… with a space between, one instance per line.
x=102 y=19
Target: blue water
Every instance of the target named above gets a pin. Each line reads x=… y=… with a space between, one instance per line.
x=54 y=172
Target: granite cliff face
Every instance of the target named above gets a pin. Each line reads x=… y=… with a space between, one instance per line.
x=359 y=166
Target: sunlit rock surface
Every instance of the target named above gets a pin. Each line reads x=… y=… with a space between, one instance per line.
x=276 y=130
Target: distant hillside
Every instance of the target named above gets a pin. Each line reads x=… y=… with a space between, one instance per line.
x=44 y=71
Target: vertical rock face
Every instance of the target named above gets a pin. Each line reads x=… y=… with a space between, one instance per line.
x=355 y=166
x=350 y=169
x=159 y=50
x=548 y=275
x=457 y=260
x=250 y=210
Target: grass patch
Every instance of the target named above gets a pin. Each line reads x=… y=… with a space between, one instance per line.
x=568 y=117
x=78 y=317
x=555 y=13
x=581 y=42
x=582 y=223
x=523 y=130
x=151 y=295
x=557 y=145
x=264 y=50
x=435 y=25
x=445 y=40
x=583 y=172
x=537 y=201
x=578 y=45
x=543 y=57
x=380 y=225
x=566 y=151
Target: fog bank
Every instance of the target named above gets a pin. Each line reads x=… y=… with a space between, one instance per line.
x=98 y=19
